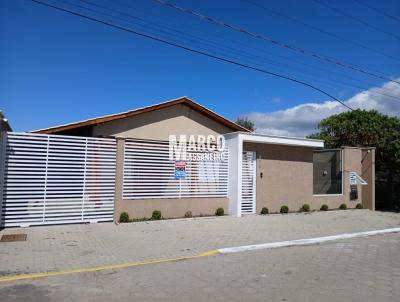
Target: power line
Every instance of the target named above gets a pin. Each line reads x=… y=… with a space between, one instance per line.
x=315 y=28
x=223 y=48
x=251 y=57
x=246 y=45
x=129 y=30
x=338 y=11
x=310 y=75
x=229 y=50
x=379 y=11
x=272 y=41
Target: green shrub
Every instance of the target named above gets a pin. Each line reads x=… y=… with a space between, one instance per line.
x=324 y=207
x=343 y=206
x=305 y=208
x=156 y=215
x=124 y=217
x=284 y=209
x=219 y=212
x=264 y=211
x=359 y=206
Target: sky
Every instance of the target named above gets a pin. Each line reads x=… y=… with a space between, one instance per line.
x=57 y=68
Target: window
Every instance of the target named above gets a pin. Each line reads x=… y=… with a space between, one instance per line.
x=327 y=172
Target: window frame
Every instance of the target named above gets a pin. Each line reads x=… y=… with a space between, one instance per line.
x=341 y=169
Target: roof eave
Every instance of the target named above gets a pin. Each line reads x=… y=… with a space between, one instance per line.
x=112 y=117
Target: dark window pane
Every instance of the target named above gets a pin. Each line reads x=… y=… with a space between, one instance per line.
x=327 y=172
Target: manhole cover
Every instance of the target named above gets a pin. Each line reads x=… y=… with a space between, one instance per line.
x=13 y=237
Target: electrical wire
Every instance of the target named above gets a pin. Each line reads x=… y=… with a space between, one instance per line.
x=272 y=41
x=249 y=57
x=377 y=10
x=246 y=45
x=192 y=50
x=343 y=13
x=323 y=31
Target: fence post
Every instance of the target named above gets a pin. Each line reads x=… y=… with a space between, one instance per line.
x=3 y=150
x=119 y=177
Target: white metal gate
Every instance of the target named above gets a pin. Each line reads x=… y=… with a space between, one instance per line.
x=51 y=179
x=248 y=203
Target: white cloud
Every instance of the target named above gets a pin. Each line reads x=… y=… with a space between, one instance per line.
x=302 y=120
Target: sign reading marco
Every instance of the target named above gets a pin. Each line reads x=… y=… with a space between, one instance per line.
x=196 y=147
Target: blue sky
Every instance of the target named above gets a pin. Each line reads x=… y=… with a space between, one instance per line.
x=57 y=68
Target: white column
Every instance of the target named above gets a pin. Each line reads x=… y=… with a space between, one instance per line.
x=235 y=144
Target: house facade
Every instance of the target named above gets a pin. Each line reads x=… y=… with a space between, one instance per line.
x=257 y=171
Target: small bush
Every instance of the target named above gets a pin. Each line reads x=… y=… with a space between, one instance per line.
x=124 y=217
x=359 y=206
x=284 y=209
x=305 y=208
x=219 y=212
x=188 y=214
x=156 y=215
x=343 y=206
x=264 y=211
x=324 y=207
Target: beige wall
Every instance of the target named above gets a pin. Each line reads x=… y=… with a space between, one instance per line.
x=171 y=207
x=159 y=124
x=288 y=177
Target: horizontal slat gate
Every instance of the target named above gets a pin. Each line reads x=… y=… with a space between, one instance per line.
x=52 y=179
x=149 y=173
x=248 y=183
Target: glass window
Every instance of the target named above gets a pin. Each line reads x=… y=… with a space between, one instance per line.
x=327 y=172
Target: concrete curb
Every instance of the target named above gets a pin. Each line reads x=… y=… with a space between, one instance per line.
x=300 y=242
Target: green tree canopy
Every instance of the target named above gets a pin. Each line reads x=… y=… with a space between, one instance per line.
x=246 y=122
x=361 y=128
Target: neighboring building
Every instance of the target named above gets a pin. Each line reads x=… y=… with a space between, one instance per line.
x=262 y=171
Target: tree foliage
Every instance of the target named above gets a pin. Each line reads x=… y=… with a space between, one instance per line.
x=246 y=123
x=361 y=128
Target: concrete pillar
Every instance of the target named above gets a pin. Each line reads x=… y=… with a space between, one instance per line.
x=235 y=145
x=119 y=178
x=368 y=174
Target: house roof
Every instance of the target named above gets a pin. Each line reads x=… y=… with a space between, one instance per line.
x=112 y=117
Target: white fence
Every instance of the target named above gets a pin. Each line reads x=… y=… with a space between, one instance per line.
x=51 y=179
x=149 y=173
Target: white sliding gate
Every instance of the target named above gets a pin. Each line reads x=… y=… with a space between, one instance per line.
x=248 y=203
x=51 y=179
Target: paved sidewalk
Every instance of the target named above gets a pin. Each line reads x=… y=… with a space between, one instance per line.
x=55 y=248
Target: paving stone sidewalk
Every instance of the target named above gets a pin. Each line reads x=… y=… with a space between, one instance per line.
x=54 y=248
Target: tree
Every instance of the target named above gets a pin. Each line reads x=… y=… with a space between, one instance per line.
x=246 y=123
x=361 y=128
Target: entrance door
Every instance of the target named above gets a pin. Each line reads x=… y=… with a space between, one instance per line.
x=248 y=204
